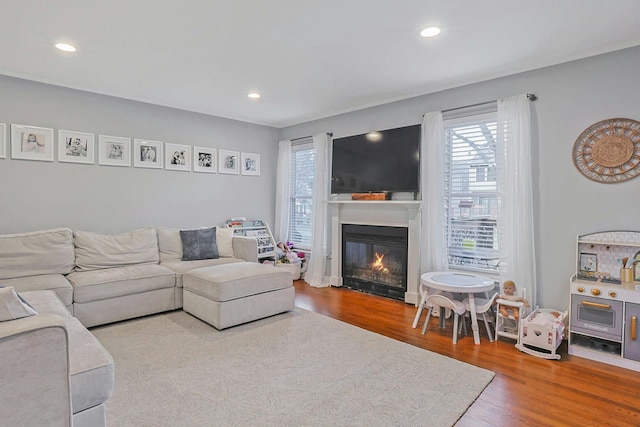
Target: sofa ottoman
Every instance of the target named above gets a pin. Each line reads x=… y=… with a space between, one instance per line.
x=232 y=294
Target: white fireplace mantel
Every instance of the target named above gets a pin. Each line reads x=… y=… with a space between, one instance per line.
x=391 y=213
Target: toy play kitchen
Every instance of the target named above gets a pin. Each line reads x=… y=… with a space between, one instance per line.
x=605 y=299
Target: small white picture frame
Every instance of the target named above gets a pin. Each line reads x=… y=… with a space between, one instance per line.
x=147 y=154
x=588 y=262
x=76 y=147
x=3 y=141
x=205 y=159
x=31 y=143
x=177 y=157
x=114 y=151
x=250 y=164
x=229 y=162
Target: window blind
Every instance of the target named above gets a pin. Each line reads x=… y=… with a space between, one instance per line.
x=302 y=170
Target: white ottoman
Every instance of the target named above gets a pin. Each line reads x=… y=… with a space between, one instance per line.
x=231 y=294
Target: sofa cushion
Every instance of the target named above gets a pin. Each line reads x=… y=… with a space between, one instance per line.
x=199 y=244
x=36 y=253
x=54 y=282
x=90 y=367
x=13 y=307
x=181 y=267
x=108 y=283
x=97 y=251
x=46 y=302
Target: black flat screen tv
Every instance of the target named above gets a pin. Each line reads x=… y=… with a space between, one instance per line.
x=376 y=162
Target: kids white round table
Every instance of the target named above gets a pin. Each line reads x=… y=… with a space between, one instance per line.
x=455 y=282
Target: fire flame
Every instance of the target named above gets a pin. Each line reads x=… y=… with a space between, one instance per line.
x=377 y=264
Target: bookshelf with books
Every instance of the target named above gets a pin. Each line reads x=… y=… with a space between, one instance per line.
x=258 y=229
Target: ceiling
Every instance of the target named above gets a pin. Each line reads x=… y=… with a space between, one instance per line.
x=308 y=58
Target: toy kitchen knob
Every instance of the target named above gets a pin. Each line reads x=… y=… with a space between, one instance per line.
x=580 y=289
x=613 y=294
x=595 y=291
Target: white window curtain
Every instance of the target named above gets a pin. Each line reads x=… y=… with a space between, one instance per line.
x=317 y=262
x=283 y=191
x=433 y=163
x=514 y=181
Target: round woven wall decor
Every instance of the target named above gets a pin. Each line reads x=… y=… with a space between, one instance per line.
x=609 y=151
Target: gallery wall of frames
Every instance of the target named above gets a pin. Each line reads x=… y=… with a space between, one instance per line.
x=27 y=142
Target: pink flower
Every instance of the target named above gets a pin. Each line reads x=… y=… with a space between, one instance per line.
x=301 y=255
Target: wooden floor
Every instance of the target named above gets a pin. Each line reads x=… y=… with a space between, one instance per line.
x=526 y=391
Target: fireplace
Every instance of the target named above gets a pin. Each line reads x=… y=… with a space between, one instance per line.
x=374 y=259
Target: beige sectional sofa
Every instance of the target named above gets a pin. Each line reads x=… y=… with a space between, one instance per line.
x=107 y=278
x=53 y=370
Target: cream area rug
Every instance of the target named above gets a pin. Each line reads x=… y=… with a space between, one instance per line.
x=295 y=369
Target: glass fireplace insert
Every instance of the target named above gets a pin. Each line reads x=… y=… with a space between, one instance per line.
x=374 y=259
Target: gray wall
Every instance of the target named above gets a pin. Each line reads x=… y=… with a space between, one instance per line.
x=571 y=97
x=37 y=195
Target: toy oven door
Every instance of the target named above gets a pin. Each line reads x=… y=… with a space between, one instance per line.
x=597 y=317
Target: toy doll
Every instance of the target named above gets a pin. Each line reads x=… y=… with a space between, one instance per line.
x=510 y=295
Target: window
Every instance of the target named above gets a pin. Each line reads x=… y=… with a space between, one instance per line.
x=302 y=170
x=471 y=198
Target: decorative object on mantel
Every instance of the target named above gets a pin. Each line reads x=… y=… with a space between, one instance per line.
x=369 y=196
x=609 y=151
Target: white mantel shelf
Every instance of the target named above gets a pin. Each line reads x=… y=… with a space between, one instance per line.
x=377 y=202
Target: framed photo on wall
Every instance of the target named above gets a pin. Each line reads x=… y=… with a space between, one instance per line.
x=250 y=164
x=229 y=162
x=147 y=154
x=177 y=157
x=31 y=143
x=114 y=151
x=3 y=140
x=76 y=147
x=204 y=159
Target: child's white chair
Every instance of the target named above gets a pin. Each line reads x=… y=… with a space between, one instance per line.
x=483 y=306
x=424 y=293
x=508 y=326
x=457 y=309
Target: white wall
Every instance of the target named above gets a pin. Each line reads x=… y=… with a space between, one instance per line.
x=571 y=97
x=37 y=195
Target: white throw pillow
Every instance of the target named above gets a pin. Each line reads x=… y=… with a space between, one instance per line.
x=224 y=239
x=12 y=306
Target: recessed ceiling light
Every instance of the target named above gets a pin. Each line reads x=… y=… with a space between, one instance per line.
x=254 y=95
x=430 y=32
x=66 y=47
x=374 y=136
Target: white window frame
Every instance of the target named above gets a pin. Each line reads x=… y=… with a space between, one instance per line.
x=472 y=234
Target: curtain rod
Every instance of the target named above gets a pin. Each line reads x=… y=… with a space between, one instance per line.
x=531 y=96
x=310 y=136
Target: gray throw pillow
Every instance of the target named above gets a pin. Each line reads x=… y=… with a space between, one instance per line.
x=199 y=244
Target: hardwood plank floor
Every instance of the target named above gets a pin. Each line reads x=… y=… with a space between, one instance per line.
x=526 y=391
